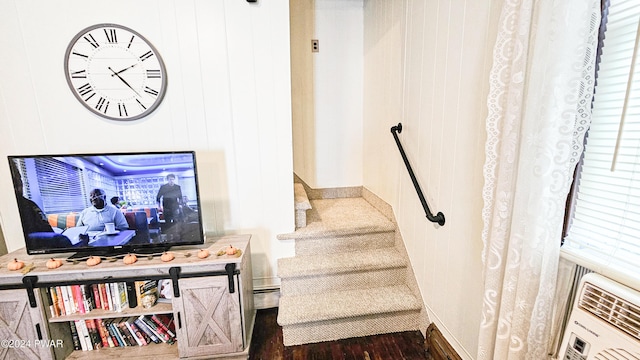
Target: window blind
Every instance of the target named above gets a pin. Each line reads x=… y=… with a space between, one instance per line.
x=604 y=233
x=22 y=168
x=61 y=186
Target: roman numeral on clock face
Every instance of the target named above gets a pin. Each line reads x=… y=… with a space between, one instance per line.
x=146 y=55
x=111 y=36
x=91 y=40
x=122 y=110
x=149 y=90
x=154 y=74
x=81 y=74
x=86 y=89
x=102 y=103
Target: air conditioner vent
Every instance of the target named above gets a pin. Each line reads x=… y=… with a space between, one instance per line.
x=615 y=354
x=612 y=309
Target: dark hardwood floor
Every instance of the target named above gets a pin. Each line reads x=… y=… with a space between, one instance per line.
x=266 y=344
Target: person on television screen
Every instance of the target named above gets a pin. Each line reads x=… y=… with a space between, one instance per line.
x=101 y=212
x=32 y=217
x=169 y=200
x=189 y=213
x=115 y=201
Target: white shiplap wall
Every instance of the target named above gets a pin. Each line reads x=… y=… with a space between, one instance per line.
x=427 y=65
x=327 y=91
x=228 y=98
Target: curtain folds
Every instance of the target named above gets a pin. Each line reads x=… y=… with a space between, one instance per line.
x=539 y=107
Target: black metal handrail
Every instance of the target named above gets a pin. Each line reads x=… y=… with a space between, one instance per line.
x=439 y=218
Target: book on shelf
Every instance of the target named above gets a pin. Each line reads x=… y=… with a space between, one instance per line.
x=96 y=342
x=142 y=326
x=50 y=302
x=109 y=289
x=78 y=303
x=157 y=329
x=53 y=302
x=102 y=290
x=83 y=334
x=102 y=331
x=126 y=333
x=113 y=287
x=122 y=301
x=161 y=324
x=65 y=297
x=116 y=332
x=154 y=328
x=58 y=292
x=131 y=294
x=139 y=333
x=95 y=291
x=74 y=335
x=112 y=338
x=135 y=333
x=87 y=297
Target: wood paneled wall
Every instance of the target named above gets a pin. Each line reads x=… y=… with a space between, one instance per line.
x=228 y=98
x=427 y=66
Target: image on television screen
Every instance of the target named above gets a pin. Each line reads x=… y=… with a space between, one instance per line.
x=107 y=203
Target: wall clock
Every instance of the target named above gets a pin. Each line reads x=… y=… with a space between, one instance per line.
x=115 y=72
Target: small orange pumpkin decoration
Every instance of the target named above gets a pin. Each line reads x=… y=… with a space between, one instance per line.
x=130 y=259
x=167 y=256
x=203 y=253
x=231 y=250
x=53 y=263
x=93 y=260
x=15 y=265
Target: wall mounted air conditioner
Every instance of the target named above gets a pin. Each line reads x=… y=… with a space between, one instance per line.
x=604 y=322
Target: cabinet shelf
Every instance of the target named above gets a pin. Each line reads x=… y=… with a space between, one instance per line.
x=148 y=352
x=159 y=308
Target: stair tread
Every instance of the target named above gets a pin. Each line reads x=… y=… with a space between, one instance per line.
x=300 y=309
x=342 y=216
x=336 y=263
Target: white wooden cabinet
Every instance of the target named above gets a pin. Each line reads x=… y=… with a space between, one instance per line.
x=212 y=308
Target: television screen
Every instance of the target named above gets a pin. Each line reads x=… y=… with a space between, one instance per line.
x=107 y=204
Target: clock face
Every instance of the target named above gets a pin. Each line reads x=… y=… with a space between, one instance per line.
x=115 y=72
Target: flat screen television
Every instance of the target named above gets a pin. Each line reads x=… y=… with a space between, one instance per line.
x=108 y=204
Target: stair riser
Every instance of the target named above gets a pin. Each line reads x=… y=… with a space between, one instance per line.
x=332 y=245
x=352 y=327
x=347 y=281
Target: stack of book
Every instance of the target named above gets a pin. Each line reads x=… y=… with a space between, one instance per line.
x=90 y=334
x=81 y=299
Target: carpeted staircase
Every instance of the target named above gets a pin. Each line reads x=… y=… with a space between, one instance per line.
x=350 y=276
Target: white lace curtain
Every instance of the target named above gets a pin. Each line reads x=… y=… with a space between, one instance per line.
x=541 y=85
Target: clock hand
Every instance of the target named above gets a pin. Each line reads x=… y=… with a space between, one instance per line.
x=123 y=70
x=124 y=81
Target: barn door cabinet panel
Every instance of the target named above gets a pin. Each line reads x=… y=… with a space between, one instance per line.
x=207 y=315
x=22 y=328
x=212 y=305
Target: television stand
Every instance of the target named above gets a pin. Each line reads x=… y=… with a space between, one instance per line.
x=220 y=329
